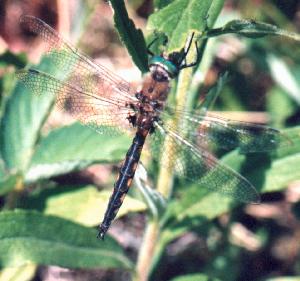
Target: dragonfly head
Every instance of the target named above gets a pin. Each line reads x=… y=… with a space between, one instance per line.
x=164 y=68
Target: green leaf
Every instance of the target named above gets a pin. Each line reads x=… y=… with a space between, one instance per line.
x=195 y=277
x=197 y=205
x=3 y=172
x=131 y=37
x=30 y=237
x=23 y=117
x=266 y=174
x=159 y=4
x=24 y=114
x=251 y=29
x=8 y=58
x=284 y=77
x=46 y=171
x=195 y=209
x=7 y=84
x=21 y=273
x=155 y=202
x=213 y=93
x=283 y=279
x=181 y=17
x=279 y=114
x=66 y=202
x=269 y=172
x=56 y=156
x=78 y=142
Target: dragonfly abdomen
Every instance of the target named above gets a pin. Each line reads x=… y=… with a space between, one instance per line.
x=124 y=180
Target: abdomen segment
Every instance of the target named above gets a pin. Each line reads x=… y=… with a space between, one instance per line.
x=123 y=182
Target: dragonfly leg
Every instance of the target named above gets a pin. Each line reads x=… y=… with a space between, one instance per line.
x=150 y=44
x=194 y=63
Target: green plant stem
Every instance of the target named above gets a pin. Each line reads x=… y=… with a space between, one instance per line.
x=164 y=184
x=165 y=178
x=146 y=252
x=13 y=197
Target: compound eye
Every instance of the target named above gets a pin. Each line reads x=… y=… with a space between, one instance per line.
x=160 y=76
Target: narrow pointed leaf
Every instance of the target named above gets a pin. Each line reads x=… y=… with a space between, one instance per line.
x=9 y=58
x=29 y=237
x=252 y=29
x=155 y=202
x=131 y=37
x=283 y=278
x=284 y=77
x=193 y=277
x=213 y=93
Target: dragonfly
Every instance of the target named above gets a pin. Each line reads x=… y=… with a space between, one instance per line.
x=105 y=102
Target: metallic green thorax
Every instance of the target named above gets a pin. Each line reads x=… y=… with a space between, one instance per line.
x=169 y=66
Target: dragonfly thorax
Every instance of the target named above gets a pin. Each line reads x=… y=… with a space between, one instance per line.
x=151 y=100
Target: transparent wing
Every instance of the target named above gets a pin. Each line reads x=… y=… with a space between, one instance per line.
x=201 y=167
x=98 y=112
x=224 y=133
x=81 y=71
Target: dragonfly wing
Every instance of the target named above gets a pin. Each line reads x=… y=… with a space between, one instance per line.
x=91 y=109
x=226 y=134
x=199 y=166
x=80 y=70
